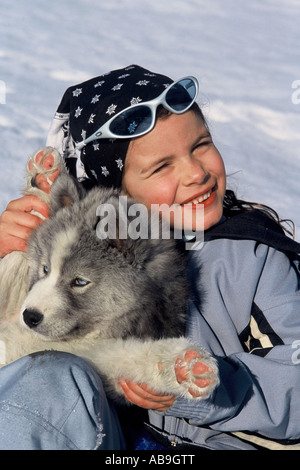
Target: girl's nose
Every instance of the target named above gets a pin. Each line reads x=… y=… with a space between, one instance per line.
x=193 y=172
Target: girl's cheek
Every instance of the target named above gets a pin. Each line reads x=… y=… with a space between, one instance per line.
x=162 y=195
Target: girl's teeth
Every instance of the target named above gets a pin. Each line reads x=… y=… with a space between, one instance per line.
x=202 y=198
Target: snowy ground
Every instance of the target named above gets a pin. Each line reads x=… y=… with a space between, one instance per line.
x=245 y=55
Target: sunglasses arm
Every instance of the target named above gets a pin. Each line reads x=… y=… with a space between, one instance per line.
x=80 y=145
x=97 y=135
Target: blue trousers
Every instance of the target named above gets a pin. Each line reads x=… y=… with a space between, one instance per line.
x=55 y=401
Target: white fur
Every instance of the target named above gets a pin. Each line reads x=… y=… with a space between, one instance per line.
x=14 y=266
x=13 y=283
x=151 y=362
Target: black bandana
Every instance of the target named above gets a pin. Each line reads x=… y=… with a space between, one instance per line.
x=86 y=107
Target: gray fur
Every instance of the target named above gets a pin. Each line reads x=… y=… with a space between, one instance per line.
x=137 y=287
x=128 y=318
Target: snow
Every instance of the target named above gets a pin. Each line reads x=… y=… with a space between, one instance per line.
x=245 y=55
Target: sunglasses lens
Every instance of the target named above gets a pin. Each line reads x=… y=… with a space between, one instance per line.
x=181 y=95
x=132 y=122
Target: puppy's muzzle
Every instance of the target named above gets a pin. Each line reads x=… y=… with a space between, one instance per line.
x=32 y=318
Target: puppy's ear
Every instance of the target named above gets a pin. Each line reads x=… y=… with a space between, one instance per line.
x=124 y=224
x=112 y=220
x=64 y=192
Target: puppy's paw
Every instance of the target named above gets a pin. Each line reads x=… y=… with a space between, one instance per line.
x=185 y=369
x=197 y=373
x=42 y=169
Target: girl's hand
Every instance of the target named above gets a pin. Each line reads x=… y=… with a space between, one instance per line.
x=16 y=223
x=143 y=396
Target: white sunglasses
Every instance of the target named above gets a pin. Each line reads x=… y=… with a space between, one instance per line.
x=139 y=119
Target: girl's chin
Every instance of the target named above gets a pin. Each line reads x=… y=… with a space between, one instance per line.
x=191 y=218
x=196 y=218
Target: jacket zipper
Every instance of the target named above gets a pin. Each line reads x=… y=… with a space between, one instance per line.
x=172 y=435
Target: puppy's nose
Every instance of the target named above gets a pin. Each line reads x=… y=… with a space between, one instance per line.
x=32 y=318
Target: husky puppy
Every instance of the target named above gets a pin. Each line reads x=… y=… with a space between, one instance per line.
x=118 y=302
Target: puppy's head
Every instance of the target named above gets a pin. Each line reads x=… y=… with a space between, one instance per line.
x=84 y=279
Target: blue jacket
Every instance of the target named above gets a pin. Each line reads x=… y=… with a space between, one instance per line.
x=245 y=309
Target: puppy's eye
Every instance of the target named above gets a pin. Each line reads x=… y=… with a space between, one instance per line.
x=79 y=282
x=45 y=270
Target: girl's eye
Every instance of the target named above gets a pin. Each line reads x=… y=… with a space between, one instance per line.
x=79 y=282
x=160 y=168
x=203 y=143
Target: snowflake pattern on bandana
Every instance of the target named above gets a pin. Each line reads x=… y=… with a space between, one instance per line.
x=92 y=103
x=134 y=101
x=99 y=83
x=91 y=119
x=111 y=109
x=104 y=171
x=78 y=112
x=117 y=87
x=119 y=163
x=143 y=82
x=77 y=92
x=95 y=99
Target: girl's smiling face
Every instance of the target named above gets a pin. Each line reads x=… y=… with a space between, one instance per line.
x=177 y=163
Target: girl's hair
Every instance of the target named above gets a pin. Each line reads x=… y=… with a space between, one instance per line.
x=232 y=205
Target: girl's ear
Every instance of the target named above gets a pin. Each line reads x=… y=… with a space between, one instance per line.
x=64 y=192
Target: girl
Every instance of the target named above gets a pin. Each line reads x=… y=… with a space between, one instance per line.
x=248 y=316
